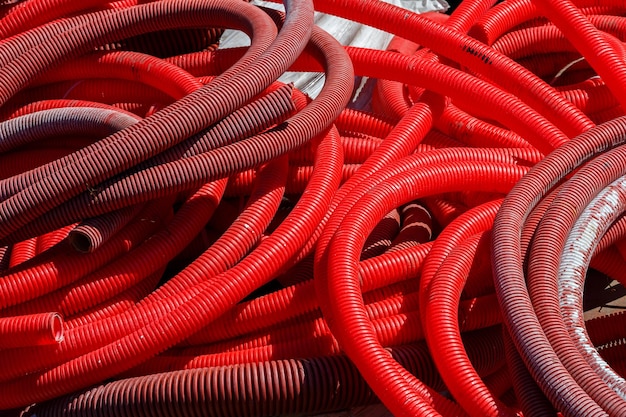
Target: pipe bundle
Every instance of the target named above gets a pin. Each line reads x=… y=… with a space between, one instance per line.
x=182 y=233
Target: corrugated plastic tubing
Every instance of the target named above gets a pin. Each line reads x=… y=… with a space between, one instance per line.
x=255 y=389
x=417 y=227
x=293 y=301
x=440 y=293
x=464 y=89
x=518 y=313
x=41 y=105
x=266 y=111
x=604 y=329
x=119 y=275
x=22 y=251
x=116 y=305
x=601 y=212
x=163 y=174
x=29 y=14
x=505 y=16
x=149 y=342
x=418 y=161
x=308 y=213
x=303 y=117
x=549 y=39
x=91 y=233
x=165 y=43
x=294 y=338
x=260 y=389
x=380 y=238
x=91 y=122
x=136 y=143
x=530 y=399
x=62 y=121
x=592 y=44
x=222 y=255
x=345 y=314
x=398 y=71
x=56 y=269
x=31 y=330
x=131 y=21
x=421 y=120
x=466 y=51
x=124 y=65
x=124 y=95
x=446 y=81
x=485 y=354
x=556 y=223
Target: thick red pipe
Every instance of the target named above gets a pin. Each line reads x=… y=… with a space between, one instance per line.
x=23 y=130
x=167 y=173
x=314 y=385
x=30 y=53
x=31 y=330
x=31 y=13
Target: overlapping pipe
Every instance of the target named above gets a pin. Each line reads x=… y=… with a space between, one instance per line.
x=182 y=233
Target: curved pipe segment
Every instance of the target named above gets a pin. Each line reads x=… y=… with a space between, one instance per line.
x=518 y=313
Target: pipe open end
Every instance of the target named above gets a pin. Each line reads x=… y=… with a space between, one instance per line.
x=81 y=242
x=56 y=326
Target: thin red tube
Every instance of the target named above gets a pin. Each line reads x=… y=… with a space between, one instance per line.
x=504 y=16
x=467 y=12
x=476 y=132
x=116 y=305
x=107 y=91
x=464 y=89
x=475 y=220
